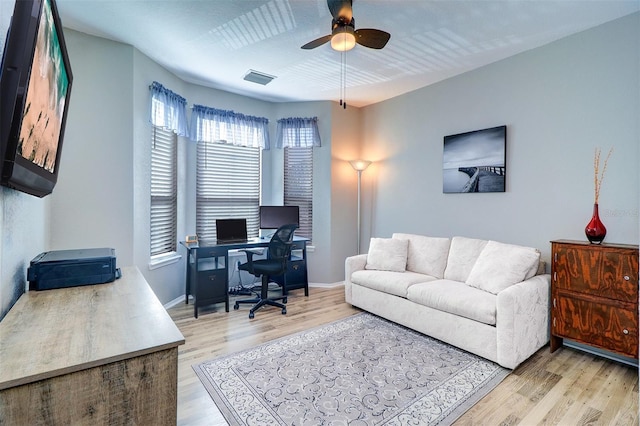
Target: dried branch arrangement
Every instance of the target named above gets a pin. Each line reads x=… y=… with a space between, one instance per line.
x=599 y=175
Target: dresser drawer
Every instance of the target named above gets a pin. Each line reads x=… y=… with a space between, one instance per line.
x=610 y=273
x=602 y=323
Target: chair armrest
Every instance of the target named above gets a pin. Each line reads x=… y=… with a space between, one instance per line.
x=522 y=319
x=351 y=265
x=249 y=264
x=249 y=254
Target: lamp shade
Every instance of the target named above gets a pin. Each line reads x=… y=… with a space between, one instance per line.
x=359 y=165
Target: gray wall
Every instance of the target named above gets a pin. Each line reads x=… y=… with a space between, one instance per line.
x=559 y=102
x=24 y=227
x=92 y=204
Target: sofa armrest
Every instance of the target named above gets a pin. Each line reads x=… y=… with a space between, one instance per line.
x=352 y=264
x=522 y=319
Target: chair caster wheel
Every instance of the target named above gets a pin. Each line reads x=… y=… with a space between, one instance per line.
x=284 y=300
x=284 y=311
x=236 y=307
x=251 y=315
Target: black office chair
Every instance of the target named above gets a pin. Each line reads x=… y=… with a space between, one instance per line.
x=275 y=264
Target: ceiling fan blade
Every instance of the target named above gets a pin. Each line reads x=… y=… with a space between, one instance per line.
x=341 y=9
x=369 y=37
x=317 y=42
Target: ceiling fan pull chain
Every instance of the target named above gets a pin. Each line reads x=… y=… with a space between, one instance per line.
x=341 y=76
x=344 y=79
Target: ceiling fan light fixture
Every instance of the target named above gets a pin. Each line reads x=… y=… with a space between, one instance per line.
x=343 y=39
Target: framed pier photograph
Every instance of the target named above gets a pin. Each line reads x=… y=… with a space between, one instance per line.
x=475 y=161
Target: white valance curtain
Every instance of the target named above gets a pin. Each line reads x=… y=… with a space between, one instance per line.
x=220 y=126
x=168 y=110
x=296 y=132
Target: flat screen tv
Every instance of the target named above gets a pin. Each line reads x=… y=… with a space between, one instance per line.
x=35 y=85
x=273 y=217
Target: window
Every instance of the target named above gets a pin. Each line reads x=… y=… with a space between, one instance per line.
x=298 y=136
x=228 y=170
x=298 y=186
x=168 y=120
x=164 y=215
x=228 y=186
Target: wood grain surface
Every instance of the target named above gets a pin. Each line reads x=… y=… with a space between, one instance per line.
x=53 y=332
x=594 y=292
x=135 y=391
x=101 y=354
x=566 y=388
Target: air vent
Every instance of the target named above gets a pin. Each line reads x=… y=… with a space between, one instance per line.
x=258 y=77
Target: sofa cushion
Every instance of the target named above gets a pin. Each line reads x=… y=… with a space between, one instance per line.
x=463 y=254
x=395 y=283
x=502 y=265
x=456 y=298
x=387 y=254
x=426 y=255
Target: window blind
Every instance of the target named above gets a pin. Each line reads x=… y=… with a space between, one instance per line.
x=164 y=212
x=227 y=186
x=298 y=186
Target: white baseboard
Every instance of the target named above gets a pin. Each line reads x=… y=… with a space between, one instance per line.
x=174 y=302
x=327 y=285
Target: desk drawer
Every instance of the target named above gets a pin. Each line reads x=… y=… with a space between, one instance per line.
x=296 y=275
x=211 y=284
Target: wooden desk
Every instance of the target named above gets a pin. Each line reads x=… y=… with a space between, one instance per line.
x=97 y=354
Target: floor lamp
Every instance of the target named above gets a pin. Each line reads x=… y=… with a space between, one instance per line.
x=359 y=166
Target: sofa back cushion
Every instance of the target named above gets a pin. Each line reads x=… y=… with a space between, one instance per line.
x=502 y=265
x=387 y=254
x=426 y=255
x=462 y=256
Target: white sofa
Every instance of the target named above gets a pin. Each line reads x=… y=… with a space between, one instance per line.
x=485 y=297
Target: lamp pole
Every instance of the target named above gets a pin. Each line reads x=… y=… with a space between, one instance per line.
x=359 y=166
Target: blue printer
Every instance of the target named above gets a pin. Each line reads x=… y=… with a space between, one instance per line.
x=70 y=268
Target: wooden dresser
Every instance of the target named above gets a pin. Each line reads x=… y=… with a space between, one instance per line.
x=594 y=295
x=90 y=355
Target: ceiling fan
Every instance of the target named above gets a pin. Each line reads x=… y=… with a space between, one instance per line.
x=343 y=35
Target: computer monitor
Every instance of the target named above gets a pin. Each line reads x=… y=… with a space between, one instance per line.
x=231 y=230
x=273 y=217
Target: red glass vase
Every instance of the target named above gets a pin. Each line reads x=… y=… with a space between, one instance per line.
x=595 y=229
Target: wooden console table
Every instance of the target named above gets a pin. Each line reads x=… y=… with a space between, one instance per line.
x=89 y=355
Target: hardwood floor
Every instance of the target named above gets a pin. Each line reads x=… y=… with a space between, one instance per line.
x=567 y=387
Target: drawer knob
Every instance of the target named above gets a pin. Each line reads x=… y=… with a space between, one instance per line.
x=626 y=278
x=625 y=331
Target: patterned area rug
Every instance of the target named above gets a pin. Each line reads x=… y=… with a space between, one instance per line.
x=362 y=370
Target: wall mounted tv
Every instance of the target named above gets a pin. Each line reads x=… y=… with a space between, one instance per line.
x=273 y=217
x=35 y=85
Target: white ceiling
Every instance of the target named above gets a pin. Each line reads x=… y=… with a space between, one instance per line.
x=214 y=43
